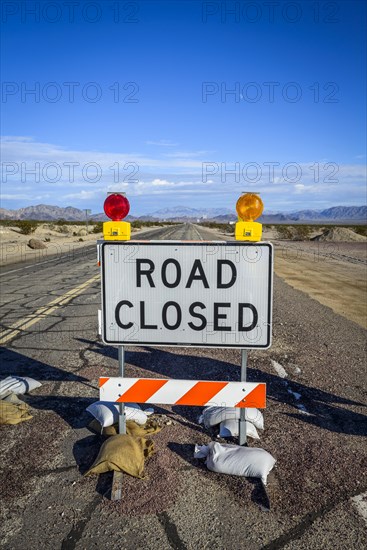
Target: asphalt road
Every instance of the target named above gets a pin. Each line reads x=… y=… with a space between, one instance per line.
x=315 y=426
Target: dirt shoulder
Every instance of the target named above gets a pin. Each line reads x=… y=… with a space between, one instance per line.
x=58 y=241
x=14 y=245
x=334 y=276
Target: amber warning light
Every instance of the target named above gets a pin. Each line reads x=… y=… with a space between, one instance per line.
x=116 y=207
x=249 y=207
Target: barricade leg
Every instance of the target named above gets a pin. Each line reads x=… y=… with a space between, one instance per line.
x=242 y=422
x=122 y=416
x=116 y=491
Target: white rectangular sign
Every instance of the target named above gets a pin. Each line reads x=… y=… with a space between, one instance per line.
x=203 y=294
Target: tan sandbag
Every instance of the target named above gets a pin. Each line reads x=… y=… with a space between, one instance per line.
x=95 y=427
x=123 y=453
x=13 y=413
x=13 y=398
x=136 y=430
x=132 y=428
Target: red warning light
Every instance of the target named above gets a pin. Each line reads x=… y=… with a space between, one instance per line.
x=116 y=207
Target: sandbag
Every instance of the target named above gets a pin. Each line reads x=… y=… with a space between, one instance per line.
x=149 y=411
x=230 y=428
x=13 y=413
x=237 y=460
x=18 y=385
x=201 y=451
x=107 y=413
x=132 y=428
x=96 y=428
x=212 y=416
x=13 y=398
x=123 y=453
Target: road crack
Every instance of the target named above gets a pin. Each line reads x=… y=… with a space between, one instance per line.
x=76 y=533
x=171 y=532
x=309 y=519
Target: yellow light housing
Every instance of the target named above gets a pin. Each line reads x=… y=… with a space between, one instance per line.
x=249 y=207
x=116 y=231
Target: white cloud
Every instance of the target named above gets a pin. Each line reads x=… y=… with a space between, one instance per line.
x=83 y=195
x=299 y=188
x=160 y=183
x=23 y=196
x=188 y=154
x=17 y=196
x=162 y=143
x=16 y=138
x=118 y=187
x=86 y=177
x=19 y=149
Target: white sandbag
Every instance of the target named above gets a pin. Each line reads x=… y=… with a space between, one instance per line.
x=133 y=405
x=137 y=415
x=230 y=428
x=18 y=385
x=148 y=411
x=107 y=413
x=239 y=461
x=201 y=451
x=256 y=417
x=212 y=416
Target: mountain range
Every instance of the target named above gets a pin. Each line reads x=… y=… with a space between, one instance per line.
x=336 y=214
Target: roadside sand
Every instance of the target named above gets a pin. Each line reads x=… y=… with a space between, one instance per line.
x=14 y=246
x=337 y=280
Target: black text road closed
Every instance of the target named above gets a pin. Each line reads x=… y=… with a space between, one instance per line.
x=182 y=293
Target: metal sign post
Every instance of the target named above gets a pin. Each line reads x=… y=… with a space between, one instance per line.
x=122 y=415
x=116 y=490
x=242 y=422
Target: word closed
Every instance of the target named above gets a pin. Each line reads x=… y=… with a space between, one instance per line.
x=185 y=293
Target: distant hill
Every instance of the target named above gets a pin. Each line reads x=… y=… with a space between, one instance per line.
x=341 y=213
x=185 y=212
x=224 y=215
x=45 y=212
x=336 y=214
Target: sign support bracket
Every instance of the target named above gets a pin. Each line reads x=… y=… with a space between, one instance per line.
x=116 y=490
x=242 y=421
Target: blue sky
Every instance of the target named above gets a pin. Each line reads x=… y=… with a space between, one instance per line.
x=183 y=103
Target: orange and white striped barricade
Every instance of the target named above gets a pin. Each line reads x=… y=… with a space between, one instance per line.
x=198 y=393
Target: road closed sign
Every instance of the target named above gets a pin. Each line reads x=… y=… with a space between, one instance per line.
x=203 y=294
